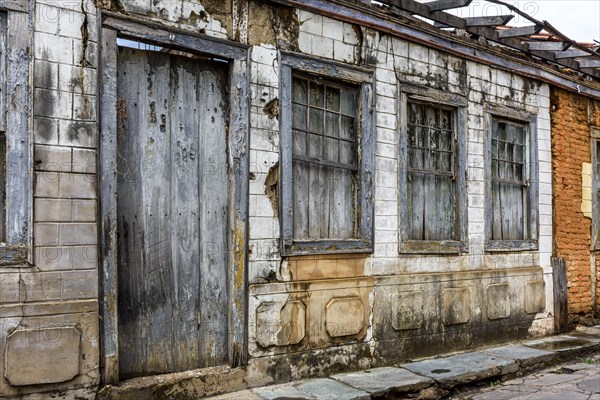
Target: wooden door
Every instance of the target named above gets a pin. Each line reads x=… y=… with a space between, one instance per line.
x=172 y=196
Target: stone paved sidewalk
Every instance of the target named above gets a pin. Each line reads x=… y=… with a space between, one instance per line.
x=451 y=375
x=575 y=380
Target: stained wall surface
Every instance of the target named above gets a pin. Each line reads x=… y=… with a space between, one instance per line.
x=307 y=315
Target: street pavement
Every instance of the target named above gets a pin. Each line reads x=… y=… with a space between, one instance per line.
x=531 y=370
x=578 y=379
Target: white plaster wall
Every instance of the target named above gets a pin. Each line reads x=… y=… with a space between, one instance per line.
x=321 y=36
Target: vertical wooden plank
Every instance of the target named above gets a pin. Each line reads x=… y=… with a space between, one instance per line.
x=300 y=189
x=300 y=169
x=3 y=50
x=559 y=280
x=238 y=237
x=417 y=181
x=286 y=150
x=129 y=207
x=367 y=142
x=146 y=281
x=212 y=81
x=404 y=209
x=108 y=205
x=496 y=211
x=18 y=134
x=157 y=290
x=489 y=202
x=533 y=178
x=185 y=206
x=3 y=28
x=2 y=187
x=461 y=173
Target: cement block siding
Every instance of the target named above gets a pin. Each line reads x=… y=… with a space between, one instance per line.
x=484 y=82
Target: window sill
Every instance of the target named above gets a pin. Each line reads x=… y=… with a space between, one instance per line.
x=12 y=255
x=307 y=247
x=433 y=247
x=511 y=245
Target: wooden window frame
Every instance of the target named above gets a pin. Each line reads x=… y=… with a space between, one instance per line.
x=594 y=140
x=411 y=93
x=15 y=109
x=363 y=78
x=530 y=121
x=237 y=55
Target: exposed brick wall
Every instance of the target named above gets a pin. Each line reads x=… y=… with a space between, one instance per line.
x=571 y=116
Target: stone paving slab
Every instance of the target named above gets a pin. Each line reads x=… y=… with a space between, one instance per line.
x=561 y=344
x=462 y=368
x=380 y=381
x=543 y=395
x=526 y=356
x=329 y=389
x=591 y=386
x=284 y=391
x=321 y=388
x=241 y=395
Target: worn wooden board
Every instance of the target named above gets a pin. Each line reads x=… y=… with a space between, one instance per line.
x=172 y=213
x=108 y=205
x=19 y=154
x=559 y=276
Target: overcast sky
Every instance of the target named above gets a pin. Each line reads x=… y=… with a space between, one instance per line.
x=578 y=19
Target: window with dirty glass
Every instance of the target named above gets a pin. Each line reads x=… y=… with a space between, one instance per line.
x=325 y=168
x=431 y=173
x=327 y=159
x=512 y=184
x=432 y=183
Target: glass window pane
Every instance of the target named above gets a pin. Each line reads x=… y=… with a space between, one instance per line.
x=348 y=102
x=331 y=150
x=315 y=146
x=300 y=143
x=299 y=90
x=298 y=117
x=315 y=121
x=347 y=130
x=332 y=124
x=347 y=153
x=316 y=94
x=332 y=99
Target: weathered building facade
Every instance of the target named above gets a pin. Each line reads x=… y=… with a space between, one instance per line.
x=575 y=122
x=274 y=189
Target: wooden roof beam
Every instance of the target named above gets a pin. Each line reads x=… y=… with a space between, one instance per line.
x=589 y=63
x=573 y=53
x=440 y=5
x=548 y=46
x=522 y=31
x=422 y=10
x=495 y=20
x=444 y=19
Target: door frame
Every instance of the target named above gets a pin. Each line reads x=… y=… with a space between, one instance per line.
x=118 y=26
